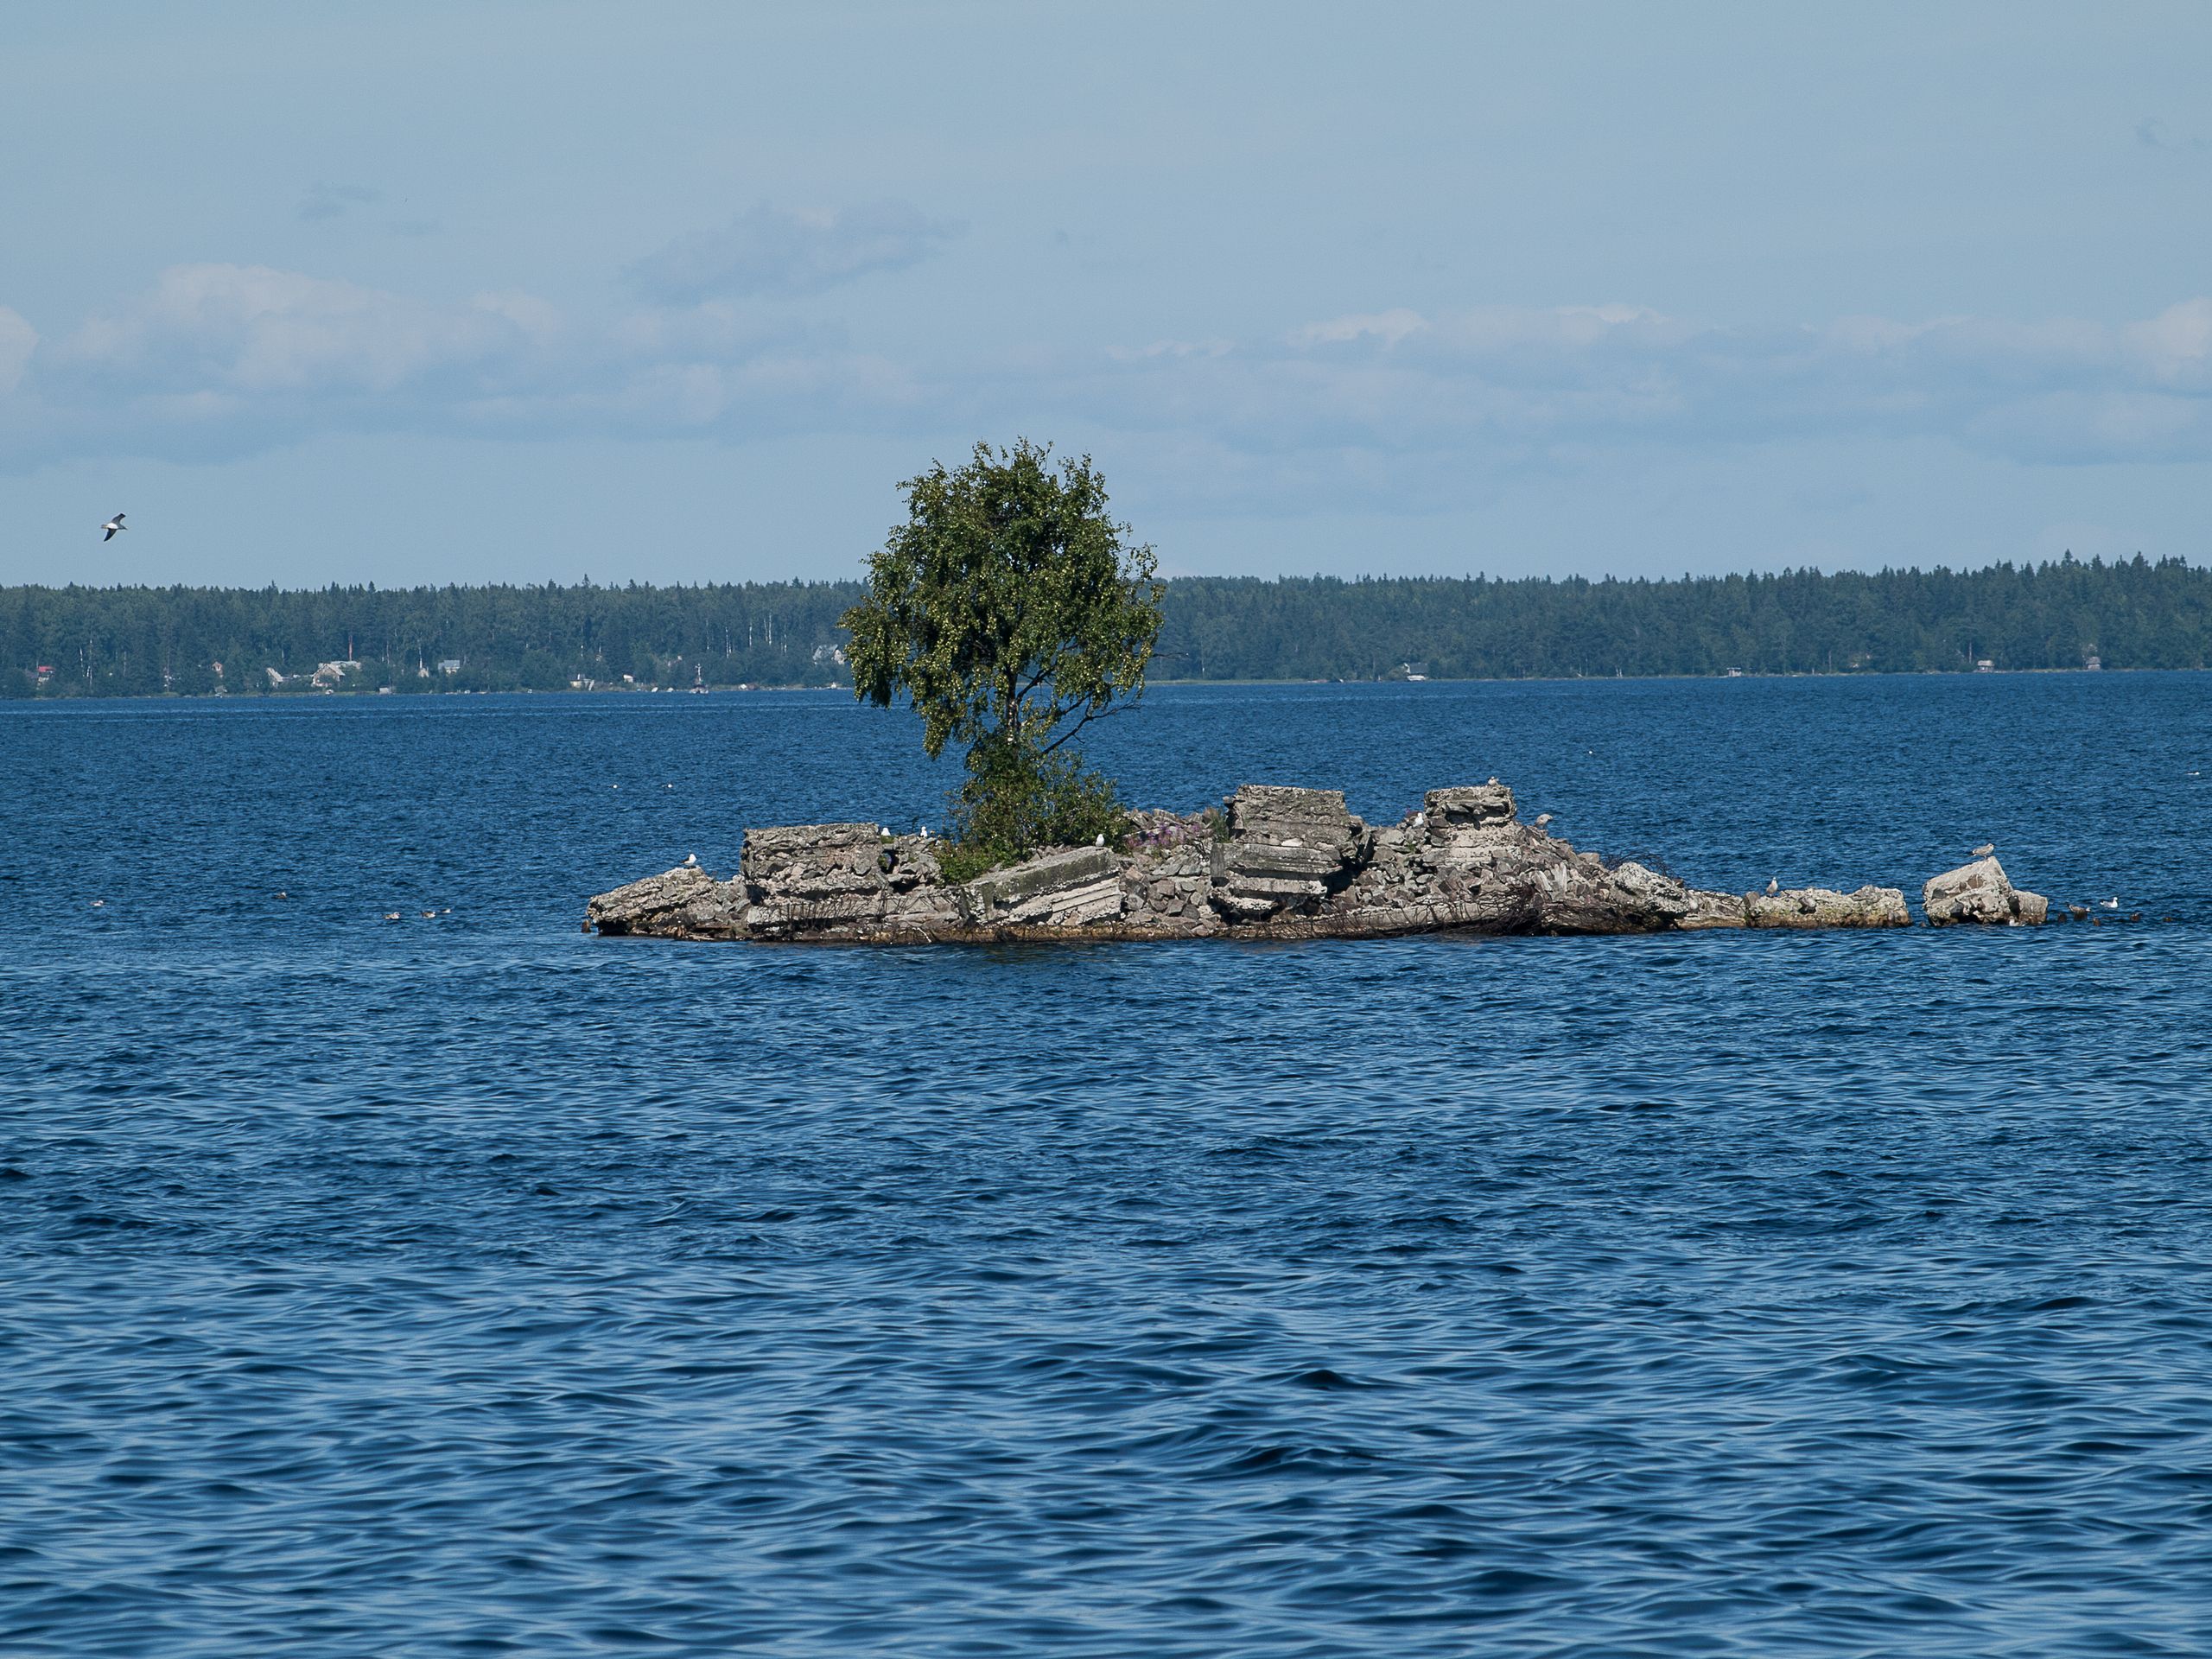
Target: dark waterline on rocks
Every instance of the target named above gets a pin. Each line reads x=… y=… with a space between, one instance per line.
x=461 y=1284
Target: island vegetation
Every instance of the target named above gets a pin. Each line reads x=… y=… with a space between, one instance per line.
x=1010 y=612
x=2136 y=613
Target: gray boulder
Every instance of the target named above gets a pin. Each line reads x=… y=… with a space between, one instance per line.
x=685 y=903
x=1709 y=910
x=1980 y=893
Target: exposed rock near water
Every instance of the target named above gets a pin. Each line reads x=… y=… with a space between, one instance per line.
x=1981 y=893
x=1822 y=908
x=1277 y=863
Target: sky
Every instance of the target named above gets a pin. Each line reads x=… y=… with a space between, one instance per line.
x=425 y=293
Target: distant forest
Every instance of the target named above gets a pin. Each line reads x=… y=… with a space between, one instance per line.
x=148 y=641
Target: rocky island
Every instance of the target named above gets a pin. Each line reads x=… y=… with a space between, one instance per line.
x=1273 y=863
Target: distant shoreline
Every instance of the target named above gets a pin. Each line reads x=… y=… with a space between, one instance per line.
x=2052 y=617
x=371 y=695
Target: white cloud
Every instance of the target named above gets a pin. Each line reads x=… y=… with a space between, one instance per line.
x=217 y=360
x=250 y=330
x=17 y=339
x=1388 y=327
x=771 y=252
x=331 y=201
x=1389 y=406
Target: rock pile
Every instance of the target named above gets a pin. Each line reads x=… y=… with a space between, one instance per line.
x=1287 y=850
x=828 y=880
x=1274 y=863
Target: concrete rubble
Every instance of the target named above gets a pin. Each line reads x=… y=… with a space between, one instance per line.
x=1273 y=862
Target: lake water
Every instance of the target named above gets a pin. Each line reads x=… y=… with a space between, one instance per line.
x=467 y=1285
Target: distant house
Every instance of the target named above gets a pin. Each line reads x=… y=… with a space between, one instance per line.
x=1983 y=666
x=448 y=665
x=2093 y=662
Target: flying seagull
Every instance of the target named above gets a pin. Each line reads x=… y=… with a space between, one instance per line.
x=111 y=526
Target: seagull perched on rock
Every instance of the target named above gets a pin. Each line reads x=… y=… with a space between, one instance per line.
x=1984 y=850
x=1773 y=885
x=111 y=526
x=1101 y=841
x=690 y=860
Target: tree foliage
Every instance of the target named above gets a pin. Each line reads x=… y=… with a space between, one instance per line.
x=1006 y=603
x=1011 y=611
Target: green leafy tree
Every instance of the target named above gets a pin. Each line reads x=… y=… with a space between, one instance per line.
x=1011 y=612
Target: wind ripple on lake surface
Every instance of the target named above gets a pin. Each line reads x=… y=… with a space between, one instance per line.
x=387 y=1290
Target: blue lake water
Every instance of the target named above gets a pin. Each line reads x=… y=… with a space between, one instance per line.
x=467 y=1285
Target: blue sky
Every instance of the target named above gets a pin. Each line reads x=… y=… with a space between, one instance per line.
x=674 y=293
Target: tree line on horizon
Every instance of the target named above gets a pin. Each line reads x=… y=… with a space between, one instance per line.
x=138 y=641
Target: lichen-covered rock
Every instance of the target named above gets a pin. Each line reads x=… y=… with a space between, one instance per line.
x=1981 y=894
x=1825 y=907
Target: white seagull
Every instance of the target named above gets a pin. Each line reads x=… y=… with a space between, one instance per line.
x=1774 y=884
x=2108 y=904
x=1984 y=850
x=111 y=526
x=690 y=860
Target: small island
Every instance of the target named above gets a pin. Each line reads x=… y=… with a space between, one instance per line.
x=1010 y=612
x=1273 y=863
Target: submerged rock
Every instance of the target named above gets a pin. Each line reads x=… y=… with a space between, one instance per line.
x=1275 y=863
x=1981 y=894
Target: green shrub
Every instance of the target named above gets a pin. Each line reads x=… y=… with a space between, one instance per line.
x=1018 y=798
